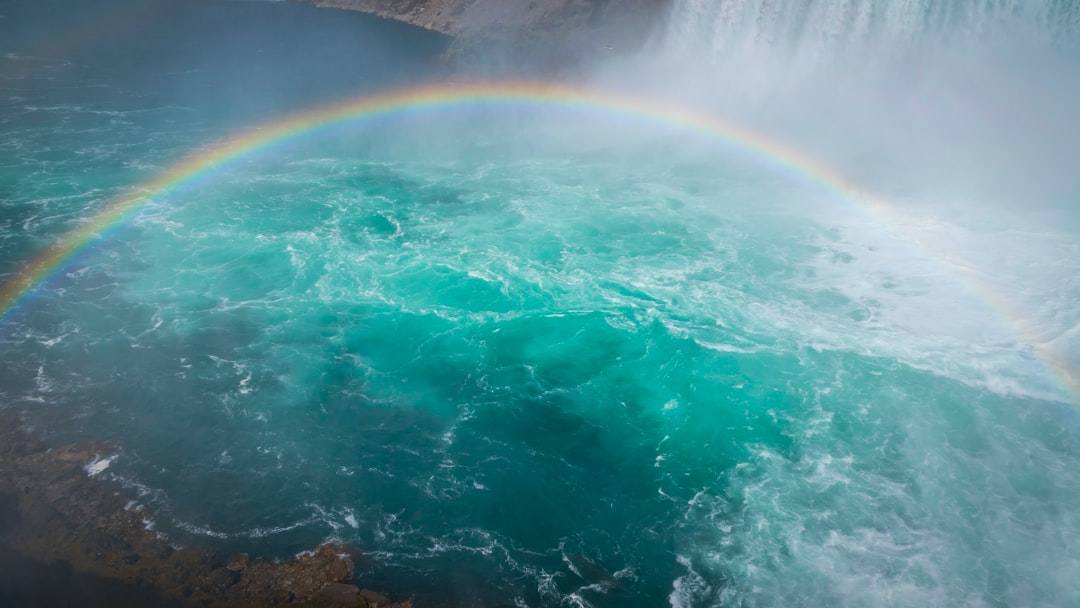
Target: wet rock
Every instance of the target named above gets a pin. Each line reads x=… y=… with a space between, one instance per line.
x=56 y=507
x=373 y=599
x=238 y=562
x=339 y=594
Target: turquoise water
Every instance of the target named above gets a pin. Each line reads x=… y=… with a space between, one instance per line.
x=520 y=357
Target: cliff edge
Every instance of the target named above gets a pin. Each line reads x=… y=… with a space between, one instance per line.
x=543 y=30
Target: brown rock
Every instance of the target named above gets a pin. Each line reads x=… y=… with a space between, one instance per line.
x=53 y=512
x=238 y=562
x=338 y=594
x=373 y=599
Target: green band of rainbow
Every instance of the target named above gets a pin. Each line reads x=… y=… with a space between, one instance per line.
x=46 y=265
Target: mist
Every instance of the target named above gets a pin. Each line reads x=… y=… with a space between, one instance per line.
x=960 y=116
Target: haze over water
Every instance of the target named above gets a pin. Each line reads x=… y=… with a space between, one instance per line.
x=558 y=357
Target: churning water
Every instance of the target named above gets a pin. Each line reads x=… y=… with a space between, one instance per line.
x=550 y=356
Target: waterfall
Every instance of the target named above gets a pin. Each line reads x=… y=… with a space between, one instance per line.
x=822 y=28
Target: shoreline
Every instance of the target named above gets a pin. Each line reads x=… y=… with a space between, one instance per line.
x=69 y=537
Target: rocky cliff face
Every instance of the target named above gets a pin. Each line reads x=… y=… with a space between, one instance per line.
x=544 y=30
x=442 y=16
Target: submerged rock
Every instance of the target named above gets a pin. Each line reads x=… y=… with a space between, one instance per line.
x=68 y=537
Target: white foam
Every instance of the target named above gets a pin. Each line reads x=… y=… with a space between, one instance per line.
x=687 y=588
x=200 y=530
x=53 y=341
x=99 y=465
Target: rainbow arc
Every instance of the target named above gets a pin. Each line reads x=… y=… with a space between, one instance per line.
x=36 y=274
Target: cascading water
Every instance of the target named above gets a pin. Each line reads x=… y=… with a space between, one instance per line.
x=821 y=26
x=532 y=352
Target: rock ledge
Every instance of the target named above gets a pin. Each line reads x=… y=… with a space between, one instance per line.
x=62 y=525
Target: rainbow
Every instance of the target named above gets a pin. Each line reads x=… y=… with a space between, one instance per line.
x=38 y=271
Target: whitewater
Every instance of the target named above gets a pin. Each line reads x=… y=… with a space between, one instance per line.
x=532 y=354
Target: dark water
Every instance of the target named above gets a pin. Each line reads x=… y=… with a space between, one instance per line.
x=517 y=360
